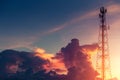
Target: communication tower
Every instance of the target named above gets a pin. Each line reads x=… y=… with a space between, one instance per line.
x=103 y=57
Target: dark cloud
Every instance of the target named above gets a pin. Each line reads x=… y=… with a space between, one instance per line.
x=14 y=61
x=78 y=63
x=16 y=65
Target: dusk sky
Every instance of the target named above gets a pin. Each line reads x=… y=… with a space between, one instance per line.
x=47 y=24
x=51 y=24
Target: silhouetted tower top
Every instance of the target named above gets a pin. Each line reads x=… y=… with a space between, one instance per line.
x=102 y=16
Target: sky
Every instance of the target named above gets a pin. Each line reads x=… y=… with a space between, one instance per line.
x=51 y=24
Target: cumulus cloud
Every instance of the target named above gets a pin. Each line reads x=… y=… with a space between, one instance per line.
x=78 y=62
x=12 y=61
x=71 y=60
x=55 y=61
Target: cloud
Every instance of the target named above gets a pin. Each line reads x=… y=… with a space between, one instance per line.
x=78 y=62
x=16 y=42
x=53 y=30
x=90 y=49
x=12 y=61
x=39 y=50
x=55 y=61
x=113 y=9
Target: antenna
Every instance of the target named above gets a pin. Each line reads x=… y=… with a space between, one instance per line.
x=103 y=58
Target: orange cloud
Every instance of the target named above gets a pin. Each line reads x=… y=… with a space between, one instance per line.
x=54 y=63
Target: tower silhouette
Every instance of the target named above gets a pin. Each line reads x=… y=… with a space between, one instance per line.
x=103 y=57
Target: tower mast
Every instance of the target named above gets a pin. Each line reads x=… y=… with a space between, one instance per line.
x=103 y=58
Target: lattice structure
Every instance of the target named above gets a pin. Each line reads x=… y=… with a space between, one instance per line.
x=103 y=58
